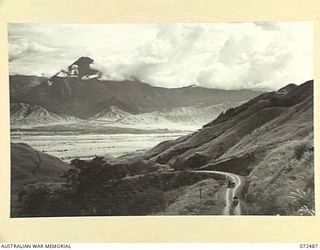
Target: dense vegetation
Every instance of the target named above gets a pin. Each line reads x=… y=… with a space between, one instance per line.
x=99 y=188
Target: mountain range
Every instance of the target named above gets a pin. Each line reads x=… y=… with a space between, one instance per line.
x=78 y=91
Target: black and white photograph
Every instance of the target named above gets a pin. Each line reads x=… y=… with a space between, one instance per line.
x=161 y=119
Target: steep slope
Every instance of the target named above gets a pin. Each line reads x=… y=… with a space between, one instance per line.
x=281 y=162
x=283 y=181
x=218 y=136
x=25 y=115
x=269 y=139
x=78 y=91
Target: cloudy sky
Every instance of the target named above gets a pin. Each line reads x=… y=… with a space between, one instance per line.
x=264 y=55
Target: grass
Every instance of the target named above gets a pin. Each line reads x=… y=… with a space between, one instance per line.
x=187 y=201
x=283 y=182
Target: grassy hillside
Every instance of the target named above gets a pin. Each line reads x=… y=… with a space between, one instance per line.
x=279 y=157
x=283 y=182
x=231 y=128
x=269 y=139
x=186 y=200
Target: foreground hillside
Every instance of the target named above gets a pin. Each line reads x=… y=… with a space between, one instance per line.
x=218 y=137
x=32 y=167
x=269 y=138
x=98 y=187
x=28 y=165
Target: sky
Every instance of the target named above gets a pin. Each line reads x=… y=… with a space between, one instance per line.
x=256 y=55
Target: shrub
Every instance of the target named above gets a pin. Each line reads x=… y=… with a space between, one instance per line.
x=299 y=150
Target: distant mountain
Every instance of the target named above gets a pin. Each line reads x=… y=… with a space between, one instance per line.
x=82 y=94
x=183 y=115
x=80 y=68
x=22 y=114
x=112 y=113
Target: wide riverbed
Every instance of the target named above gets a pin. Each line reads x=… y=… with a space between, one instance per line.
x=68 y=146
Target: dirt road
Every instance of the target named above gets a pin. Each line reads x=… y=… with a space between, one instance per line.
x=231 y=192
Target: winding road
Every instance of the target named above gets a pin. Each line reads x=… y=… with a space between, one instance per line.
x=231 y=192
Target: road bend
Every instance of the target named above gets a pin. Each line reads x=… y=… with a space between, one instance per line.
x=230 y=192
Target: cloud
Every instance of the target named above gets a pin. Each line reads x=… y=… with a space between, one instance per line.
x=236 y=51
x=161 y=60
x=244 y=63
x=22 y=47
x=261 y=55
x=269 y=26
x=181 y=55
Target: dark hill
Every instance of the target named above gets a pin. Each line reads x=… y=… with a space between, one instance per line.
x=21 y=84
x=31 y=168
x=29 y=165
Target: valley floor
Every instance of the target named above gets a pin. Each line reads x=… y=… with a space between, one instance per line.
x=69 y=145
